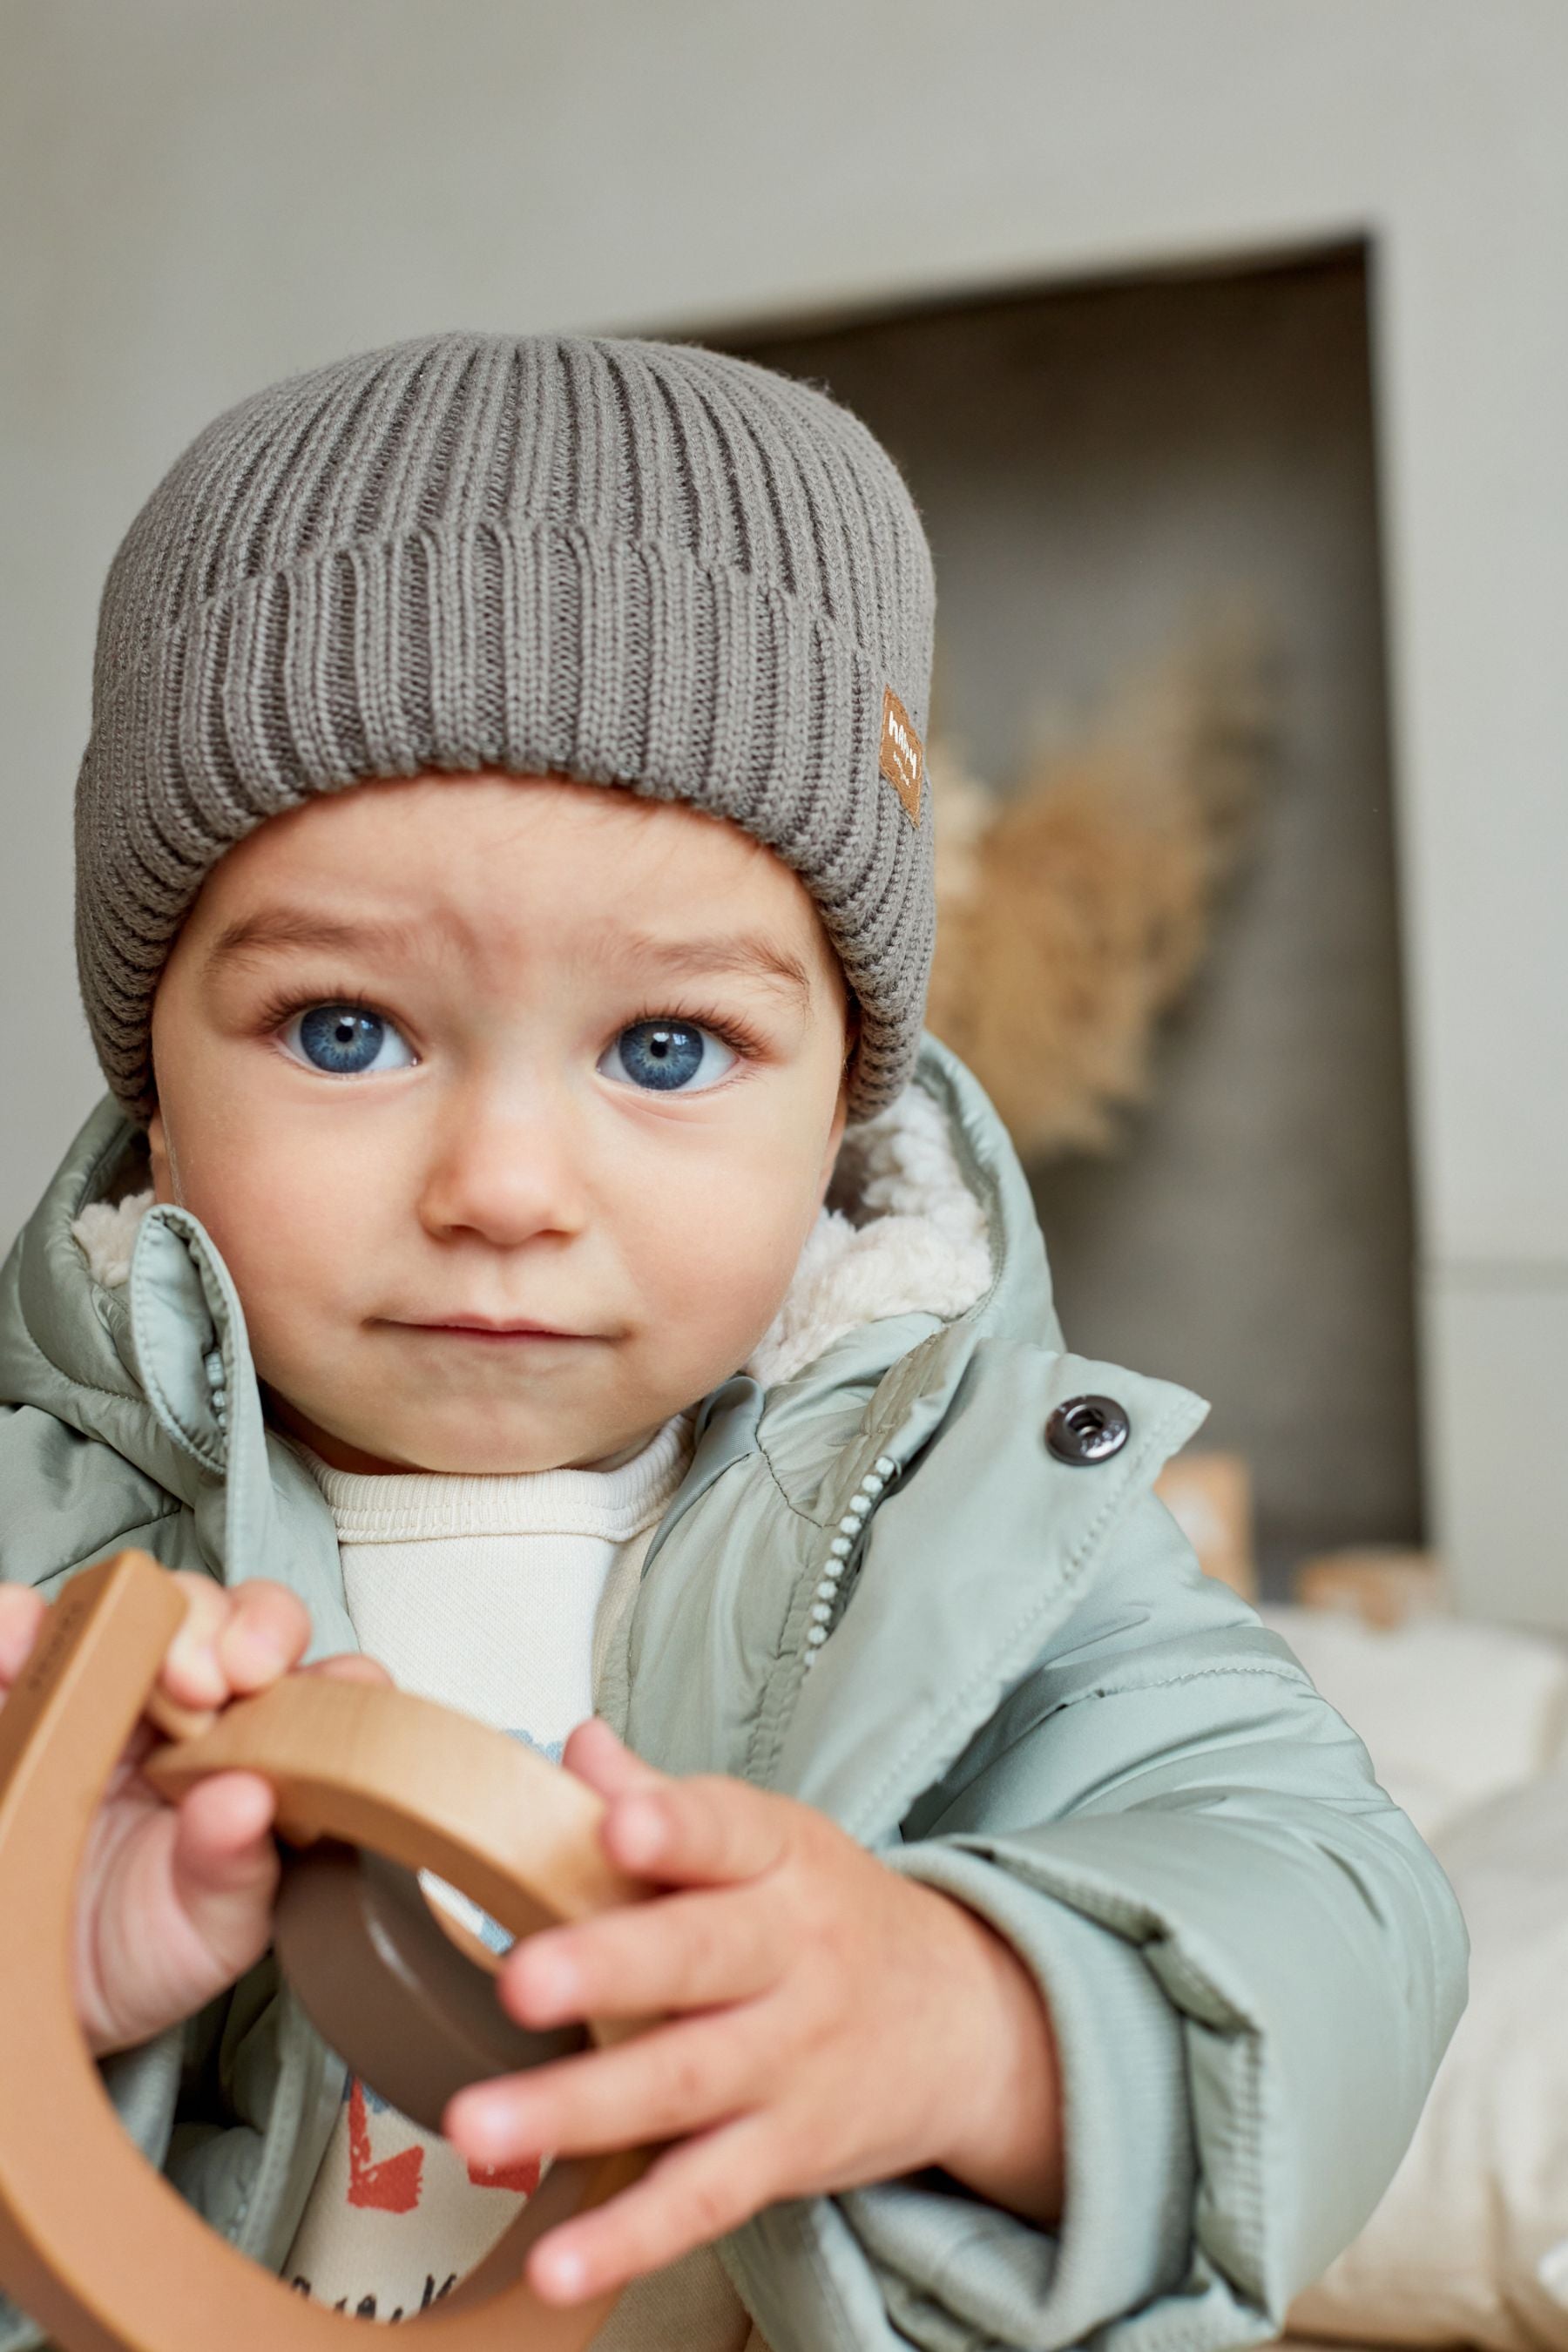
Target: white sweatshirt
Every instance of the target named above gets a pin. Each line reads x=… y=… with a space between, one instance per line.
x=497 y=1596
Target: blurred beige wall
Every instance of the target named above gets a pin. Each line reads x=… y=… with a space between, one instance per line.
x=196 y=197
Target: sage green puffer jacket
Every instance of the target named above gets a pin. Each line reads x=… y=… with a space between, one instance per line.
x=1031 y=1698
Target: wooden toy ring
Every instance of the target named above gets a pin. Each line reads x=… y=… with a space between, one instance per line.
x=409 y=2002
x=98 y=2247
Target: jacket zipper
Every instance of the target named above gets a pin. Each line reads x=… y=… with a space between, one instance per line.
x=836 y=1578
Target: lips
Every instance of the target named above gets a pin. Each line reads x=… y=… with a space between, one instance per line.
x=480 y=1326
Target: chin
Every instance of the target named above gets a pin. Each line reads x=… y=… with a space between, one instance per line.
x=390 y=1450
x=464 y=1452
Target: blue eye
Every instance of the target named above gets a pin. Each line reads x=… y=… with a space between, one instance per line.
x=663 y=1055
x=346 y=1041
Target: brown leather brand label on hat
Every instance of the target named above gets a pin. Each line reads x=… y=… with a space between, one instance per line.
x=902 y=758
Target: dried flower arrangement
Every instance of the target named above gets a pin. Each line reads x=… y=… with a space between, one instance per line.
x=1074 y=909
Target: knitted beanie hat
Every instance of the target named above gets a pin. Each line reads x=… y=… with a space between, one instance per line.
x=635 y=563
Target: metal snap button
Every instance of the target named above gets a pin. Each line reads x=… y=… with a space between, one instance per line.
x=1088 y=1429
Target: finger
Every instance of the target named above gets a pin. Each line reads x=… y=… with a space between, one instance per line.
x=225 y=1865
x=673 y=2080
x=594 y=1753
x=265 y=1634
x=234 y=1640
x=684 y=1951
x=689 y=2196
x=349 y=1667
x=223 y=1826
x=699 y=1833
x=190 y=1672
x=22 y=1613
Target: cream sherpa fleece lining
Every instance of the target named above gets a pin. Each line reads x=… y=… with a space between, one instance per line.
x=915 y=1243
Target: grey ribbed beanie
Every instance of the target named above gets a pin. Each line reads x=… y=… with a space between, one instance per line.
x=637 y=564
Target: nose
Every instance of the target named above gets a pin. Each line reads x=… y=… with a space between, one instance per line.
x=504 y=1171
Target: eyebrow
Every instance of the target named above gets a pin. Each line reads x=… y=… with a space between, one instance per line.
x=283 y=926
x=748 y=955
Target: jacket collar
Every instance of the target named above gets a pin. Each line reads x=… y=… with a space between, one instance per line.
x=963 y=1556
x=159 y=1368
x=952 y=1252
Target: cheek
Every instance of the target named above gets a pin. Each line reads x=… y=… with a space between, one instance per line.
x=712 y=1251
x=289 y=1223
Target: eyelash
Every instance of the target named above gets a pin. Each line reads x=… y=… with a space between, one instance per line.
x=739 y=1035
x=276 y=1012
x=736 y=1033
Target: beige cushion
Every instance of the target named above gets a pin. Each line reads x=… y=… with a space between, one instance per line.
x=1470 y=2244
x=1453 y=1712
x=1466 y=1728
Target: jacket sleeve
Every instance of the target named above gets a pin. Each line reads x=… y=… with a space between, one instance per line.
x=1252 y=1962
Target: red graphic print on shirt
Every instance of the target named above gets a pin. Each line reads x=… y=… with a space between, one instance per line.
x=393 y=2184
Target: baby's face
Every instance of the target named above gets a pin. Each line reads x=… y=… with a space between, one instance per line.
x=438 y=1060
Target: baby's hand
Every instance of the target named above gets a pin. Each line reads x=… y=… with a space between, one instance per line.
x=174 y=1901
x=830 y=2022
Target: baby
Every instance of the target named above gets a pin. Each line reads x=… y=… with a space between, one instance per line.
x=533 y=1251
